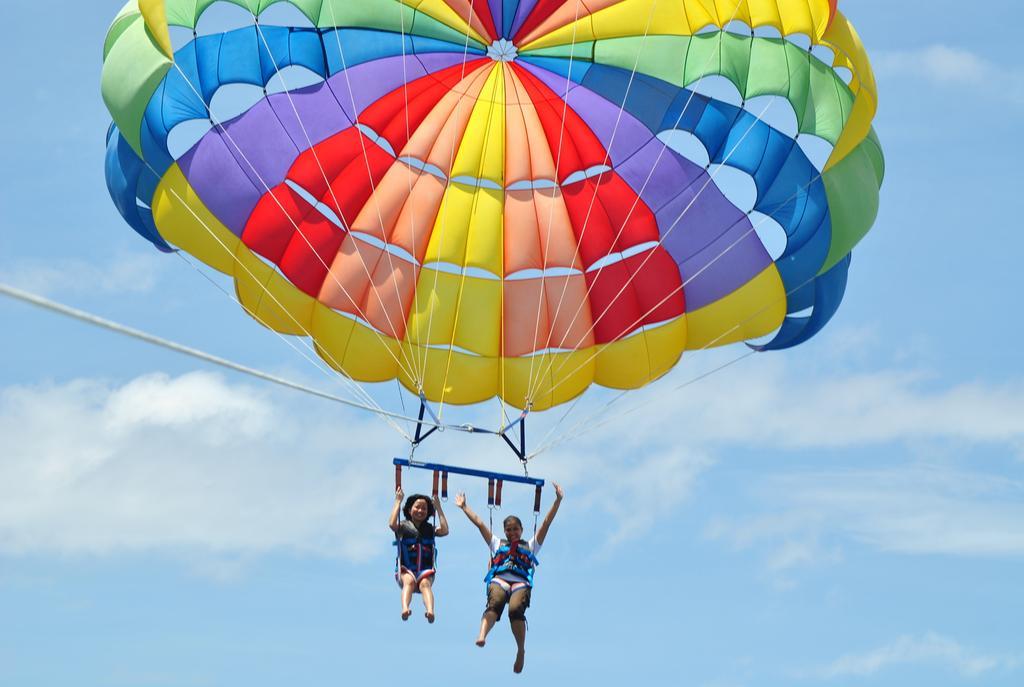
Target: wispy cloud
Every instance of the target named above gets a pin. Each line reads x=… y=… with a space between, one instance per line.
x=772 y=405
x=188 y=463
x=633 y=487
x=132 y=273
x=811 y=516
x=954 y=67
x=930 y=649
x=227 y=472
x=196 y=462
x=907 y=510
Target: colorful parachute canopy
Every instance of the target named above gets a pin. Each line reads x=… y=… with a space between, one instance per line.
x=502 y=197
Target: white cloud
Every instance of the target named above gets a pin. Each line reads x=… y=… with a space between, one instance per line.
x=189 y=464
x=930 y=649
x=635 y=487
x=225 y=472
x=770 y=405
x=953 y=67
x=132 y=273
x=907 y=510
x=194 y=462
x=939 y=63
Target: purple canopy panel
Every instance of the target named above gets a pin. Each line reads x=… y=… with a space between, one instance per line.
x=658 y=175
x=219 y=182
x=261 y=145
x=696 y=217
x=522 y=12
x=497 y=10
x=230 y=171
x=366 y=83
x=320 y=116
x=722 y=266
x=436 y=61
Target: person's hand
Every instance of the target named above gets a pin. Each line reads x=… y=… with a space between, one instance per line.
x=437 y=501
x=460 y=501
x=559 y=492
x=399 y=494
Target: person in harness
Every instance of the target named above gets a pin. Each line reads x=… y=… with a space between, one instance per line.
x=414 y=537
x=510 y=578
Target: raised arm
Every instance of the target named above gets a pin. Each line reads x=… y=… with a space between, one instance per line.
x=542 y=533
x=396 y=509
x=485 y=531
x=442 y=521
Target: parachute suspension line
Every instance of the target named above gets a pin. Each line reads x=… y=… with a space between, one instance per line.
x=593 y=198
x=330 y=359
x=661 y=241
x=224 y=132
x=443 y=211
x=334 y=197
x=572 y=433
x=682 y=286
x=586 y=299
x=561 y=420
x=88 y=318
x=401 y=397
x=465 y=257
x=545 y=446
x=531 y=391
x=502 y=328
x=503 y=419
x=307 y=354
x=409 y=177
x=586 y=426
x=686 y=209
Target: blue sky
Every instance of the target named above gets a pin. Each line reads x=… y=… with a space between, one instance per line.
x=847 y=513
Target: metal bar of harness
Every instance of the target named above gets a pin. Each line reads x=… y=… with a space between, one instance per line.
x=420 y=435
x=520 y=450
x=469 y=472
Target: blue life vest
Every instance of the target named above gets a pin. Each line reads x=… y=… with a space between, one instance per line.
x=520 y=561
x=416 y=552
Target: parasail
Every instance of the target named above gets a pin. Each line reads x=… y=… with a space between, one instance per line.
x=512 y=198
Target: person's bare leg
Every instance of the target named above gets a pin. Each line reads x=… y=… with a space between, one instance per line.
x=519 y=632
x=517 y=605
x=486 y=625
x=427 y=592
x=408 y=585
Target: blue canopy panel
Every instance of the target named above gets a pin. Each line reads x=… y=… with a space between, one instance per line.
x=131 y=185
x=242 y=57
x=347 y=48
x=823 y=294
x=508 y=16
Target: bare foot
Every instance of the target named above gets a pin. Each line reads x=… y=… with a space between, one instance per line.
x=406 y=613
x=430 y=616
x=481 y=641
x=520 y=660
